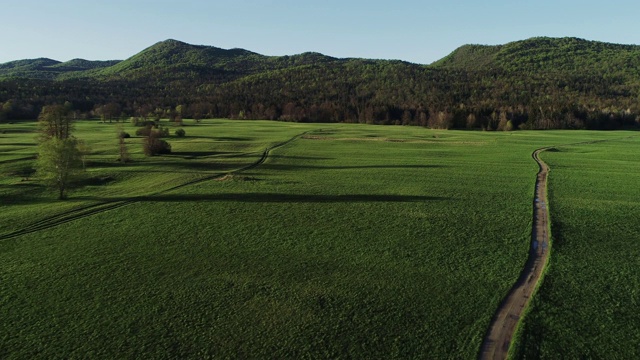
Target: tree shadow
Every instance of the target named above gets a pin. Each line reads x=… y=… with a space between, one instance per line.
x=187 y=155
x=221 y=138
x=232 y=138
x=111 y=164
x=23 y=185
x=276 y=198
x=348 y=167
x=299 y=157
x=18 y=160
x=18 y=144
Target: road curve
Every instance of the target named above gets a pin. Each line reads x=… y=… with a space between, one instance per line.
x=498 y=338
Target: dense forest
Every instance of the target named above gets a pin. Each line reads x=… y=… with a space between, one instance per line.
x=540 y=83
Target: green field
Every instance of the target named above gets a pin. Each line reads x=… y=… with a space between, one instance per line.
x=348 y=241
x=589 y=305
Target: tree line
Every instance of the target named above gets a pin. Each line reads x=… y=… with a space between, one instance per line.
x=359 y=91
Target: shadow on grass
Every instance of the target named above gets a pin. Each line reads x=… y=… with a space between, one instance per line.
x=202 y=168
x=196 y=154
x=168 y=165
x=27 y=158
x=299 y=157
x=349 y=167
x=220 y=138
x=232 y=138
x=22 y=193
x=276 y=198
x=21 y=185
x=18 y=144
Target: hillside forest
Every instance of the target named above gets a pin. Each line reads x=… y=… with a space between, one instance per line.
x=539 y=83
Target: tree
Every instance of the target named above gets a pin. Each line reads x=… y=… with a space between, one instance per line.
x=54 y=122
x=5 y=110
x=122 y=147
x=110 y=111
x=60 y=155
x=471 y=121
x=154 y=145
x=59 y=163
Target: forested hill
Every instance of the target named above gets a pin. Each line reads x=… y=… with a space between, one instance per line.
x=169 y=59
x=535 y=83
x=565 y=55
x=44 y=68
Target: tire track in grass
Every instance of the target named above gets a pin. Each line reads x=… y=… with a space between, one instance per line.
x=497 y=341
x=90 y=210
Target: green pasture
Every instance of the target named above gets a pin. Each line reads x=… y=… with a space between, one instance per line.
x=349 y=241
x=589 y=304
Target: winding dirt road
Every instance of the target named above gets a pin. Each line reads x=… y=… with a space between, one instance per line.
x=505 y=321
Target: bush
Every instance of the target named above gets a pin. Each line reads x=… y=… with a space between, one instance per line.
x=124 y=135
x=163 y=131
x=144 y=131
x=153 y=145
x=162 y=147
x=147 y=123
x=180 y=133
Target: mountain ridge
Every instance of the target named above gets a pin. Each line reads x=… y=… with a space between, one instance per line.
x=540 y=52
x=535 y=83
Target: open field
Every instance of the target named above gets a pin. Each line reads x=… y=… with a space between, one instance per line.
x=589 y=304
x=348 y=241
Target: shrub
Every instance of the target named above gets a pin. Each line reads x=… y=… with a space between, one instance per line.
x=153 y=145
x=180 y=133
x=163 y=132
x=124 y=135
x=146 y=123
x=144 y=131
x=162 y=147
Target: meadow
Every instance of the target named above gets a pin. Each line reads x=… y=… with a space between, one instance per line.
x=347 y=241
x=589 y=305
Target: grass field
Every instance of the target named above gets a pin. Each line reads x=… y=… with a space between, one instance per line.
x=349 y=241
x=589 y=304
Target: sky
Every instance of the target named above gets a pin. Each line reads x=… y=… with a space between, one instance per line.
x=411 y=30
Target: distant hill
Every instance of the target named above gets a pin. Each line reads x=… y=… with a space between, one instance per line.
x=534 y=83
x=82 y=65
x=543 y=54
x=170 y=58
x=44 y=68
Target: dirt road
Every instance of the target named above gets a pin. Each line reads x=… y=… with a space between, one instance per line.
x=503 y=325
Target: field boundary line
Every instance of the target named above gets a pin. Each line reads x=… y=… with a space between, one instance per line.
x=86 y=211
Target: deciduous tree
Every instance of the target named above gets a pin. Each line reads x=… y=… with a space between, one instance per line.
x=59 y=163
x=54 y=122
x=60 y=155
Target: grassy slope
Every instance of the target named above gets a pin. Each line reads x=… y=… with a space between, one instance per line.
x=588 y=305
x=342 y=244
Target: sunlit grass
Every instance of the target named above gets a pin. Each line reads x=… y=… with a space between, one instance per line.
x=588 y=306
x=351 y=241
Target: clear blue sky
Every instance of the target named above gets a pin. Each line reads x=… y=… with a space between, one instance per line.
x=411 y=30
